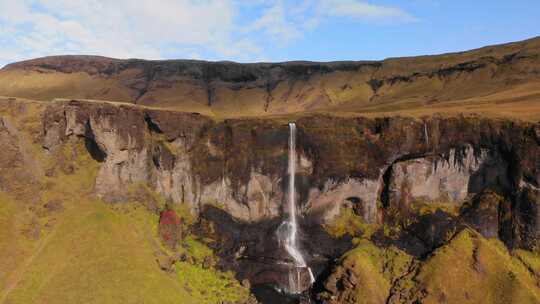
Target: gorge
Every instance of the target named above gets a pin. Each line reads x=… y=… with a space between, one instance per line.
x=413 y=180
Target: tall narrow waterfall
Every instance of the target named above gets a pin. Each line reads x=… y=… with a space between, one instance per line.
x=288 y=230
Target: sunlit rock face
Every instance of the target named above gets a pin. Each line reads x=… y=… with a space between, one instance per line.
x=261 y=199
x=181 y=163
x=446 y=179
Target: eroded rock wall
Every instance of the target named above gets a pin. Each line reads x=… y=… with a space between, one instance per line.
x=240 y=165
x=451 y=179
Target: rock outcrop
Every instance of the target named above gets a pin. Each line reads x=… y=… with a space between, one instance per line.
x=451 y=179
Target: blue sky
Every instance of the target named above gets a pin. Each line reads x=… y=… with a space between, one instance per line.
x=259 y=30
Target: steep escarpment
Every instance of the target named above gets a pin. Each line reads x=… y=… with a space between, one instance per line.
x=188 y=151
x=382 y=201
x=400 y=183
x=498 y=81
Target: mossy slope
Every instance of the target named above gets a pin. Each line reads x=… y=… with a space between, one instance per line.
x=59 y=244
x=96 y=255
x=472 y=269
x=366 y=274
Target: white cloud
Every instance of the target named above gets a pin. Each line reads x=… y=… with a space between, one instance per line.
x=275 y=24
x=119 y=28
x=284 y=21
x=157 y=28
x=364 y=10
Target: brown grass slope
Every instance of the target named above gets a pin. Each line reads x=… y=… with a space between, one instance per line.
x=502 y=80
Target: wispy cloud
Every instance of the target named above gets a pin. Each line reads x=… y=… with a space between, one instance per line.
x=365 y=10
x=157 y=28
x=285 y=21
x=275 y=24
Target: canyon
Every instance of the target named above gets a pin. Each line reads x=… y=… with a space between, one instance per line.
x=416 y=180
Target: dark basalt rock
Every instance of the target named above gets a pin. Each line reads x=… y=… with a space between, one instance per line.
x=225 y=71
x=484 y=212
x=253 y=252
x=420 y=234
x=526 y=220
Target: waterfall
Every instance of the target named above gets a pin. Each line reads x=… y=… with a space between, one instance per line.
x=288 y=230
x=426 y=134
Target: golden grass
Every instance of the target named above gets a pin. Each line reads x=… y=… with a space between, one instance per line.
x=472 y=269
x=341 y=92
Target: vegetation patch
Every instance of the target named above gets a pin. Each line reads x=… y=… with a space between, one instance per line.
x=531 y=261
x=348 y=222
x=470 y=269
x=208 y=285
x=170 y=228
x=366 y=274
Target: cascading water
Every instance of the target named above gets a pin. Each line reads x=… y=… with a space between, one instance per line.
x=288 y=231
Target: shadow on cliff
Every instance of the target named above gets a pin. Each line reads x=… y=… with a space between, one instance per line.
x=91 y=145
x=252 y=250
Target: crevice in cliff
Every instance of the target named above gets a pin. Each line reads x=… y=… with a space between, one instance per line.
x=375 y=85
x=92 y=146
x=163 y=158
x=509 y=212
x=207 y=84
x=385 y=189
x=152 y=126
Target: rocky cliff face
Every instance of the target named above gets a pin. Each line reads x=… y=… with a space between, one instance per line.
x=240 y=163
x=387 y=171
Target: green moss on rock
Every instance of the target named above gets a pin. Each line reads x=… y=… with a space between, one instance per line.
x=366 y=274
x=470 y=269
